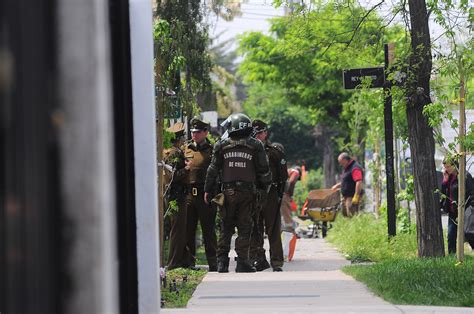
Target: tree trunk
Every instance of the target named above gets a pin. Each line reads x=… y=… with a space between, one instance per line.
x=323 y=141
x=428 y=217
x=329 y=167
x=461 y=170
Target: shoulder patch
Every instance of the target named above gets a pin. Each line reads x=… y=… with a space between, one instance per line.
x=278 y=147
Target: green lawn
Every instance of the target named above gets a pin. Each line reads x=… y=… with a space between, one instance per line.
x=397 y=275
x=180 y=285
x=420 y=281
x=186 y=281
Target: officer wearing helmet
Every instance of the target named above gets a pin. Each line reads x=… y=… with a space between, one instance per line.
x=268 y=212
x=240 y=163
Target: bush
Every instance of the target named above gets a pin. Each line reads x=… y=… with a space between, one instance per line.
x=179 y=286
x=364 y=238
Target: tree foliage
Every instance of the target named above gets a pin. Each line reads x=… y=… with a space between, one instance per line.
x=181 y=41
x=289 y=125
x=225 y=80
x=302 y=60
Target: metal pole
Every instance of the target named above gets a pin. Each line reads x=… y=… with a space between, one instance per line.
x=389 y=167
x=146 y=195
x=87 y=157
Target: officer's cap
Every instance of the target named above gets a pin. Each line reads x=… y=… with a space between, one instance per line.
x=198 y=125
x=259 y=126
x=177 y=129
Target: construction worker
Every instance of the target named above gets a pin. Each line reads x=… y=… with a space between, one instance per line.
x=351 y=184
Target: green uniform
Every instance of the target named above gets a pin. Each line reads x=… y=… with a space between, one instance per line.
x=179 y=255
x=241 y=164
x=196 y=208
x=268 y=218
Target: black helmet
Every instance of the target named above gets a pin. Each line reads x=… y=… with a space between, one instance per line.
x=259 y=126
x=240 y=124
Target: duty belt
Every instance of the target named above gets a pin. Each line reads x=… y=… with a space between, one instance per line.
x=194 y=189
x=239 y=185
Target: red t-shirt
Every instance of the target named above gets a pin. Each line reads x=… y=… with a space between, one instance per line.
x=356 y=174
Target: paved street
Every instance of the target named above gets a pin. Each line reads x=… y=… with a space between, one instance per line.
x=311 y=283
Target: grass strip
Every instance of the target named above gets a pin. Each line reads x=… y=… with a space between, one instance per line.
x=434 y=281
x=397 y=275
x=180 y=286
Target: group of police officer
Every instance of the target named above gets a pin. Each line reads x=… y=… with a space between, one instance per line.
x=242 y=177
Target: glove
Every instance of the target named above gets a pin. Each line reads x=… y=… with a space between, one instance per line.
x=355 y=199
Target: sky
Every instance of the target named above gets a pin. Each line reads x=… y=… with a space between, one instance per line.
x=254 y=18
x=257 y=12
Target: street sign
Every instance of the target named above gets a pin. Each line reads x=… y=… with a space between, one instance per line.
x=354 y=77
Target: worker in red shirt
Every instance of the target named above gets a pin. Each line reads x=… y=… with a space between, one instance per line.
x=351 y=184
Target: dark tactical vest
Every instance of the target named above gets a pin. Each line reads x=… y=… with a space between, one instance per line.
x=238 y=162
x=347 y=183
x=201 y=156
x=277 y=163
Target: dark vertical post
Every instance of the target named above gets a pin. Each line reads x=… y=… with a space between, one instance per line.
x=391 y=215
x=124 y=156
x=30 y=215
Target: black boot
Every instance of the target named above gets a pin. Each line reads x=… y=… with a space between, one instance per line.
x=261 y=265
x=223 y=265
x=244 y=266
x=212 y=268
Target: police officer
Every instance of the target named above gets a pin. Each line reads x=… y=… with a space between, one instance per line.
x=351 y=184
x=240 y=162
x=175 y=172
x=197 y=154
x=269 y=214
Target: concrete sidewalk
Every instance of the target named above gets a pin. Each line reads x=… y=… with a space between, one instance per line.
x=311 y=283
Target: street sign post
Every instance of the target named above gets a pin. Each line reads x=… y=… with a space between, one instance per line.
x=389 y=162
x=353 y=78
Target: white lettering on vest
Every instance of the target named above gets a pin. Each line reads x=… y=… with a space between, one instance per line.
x=237 y=164
x=238 y=155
